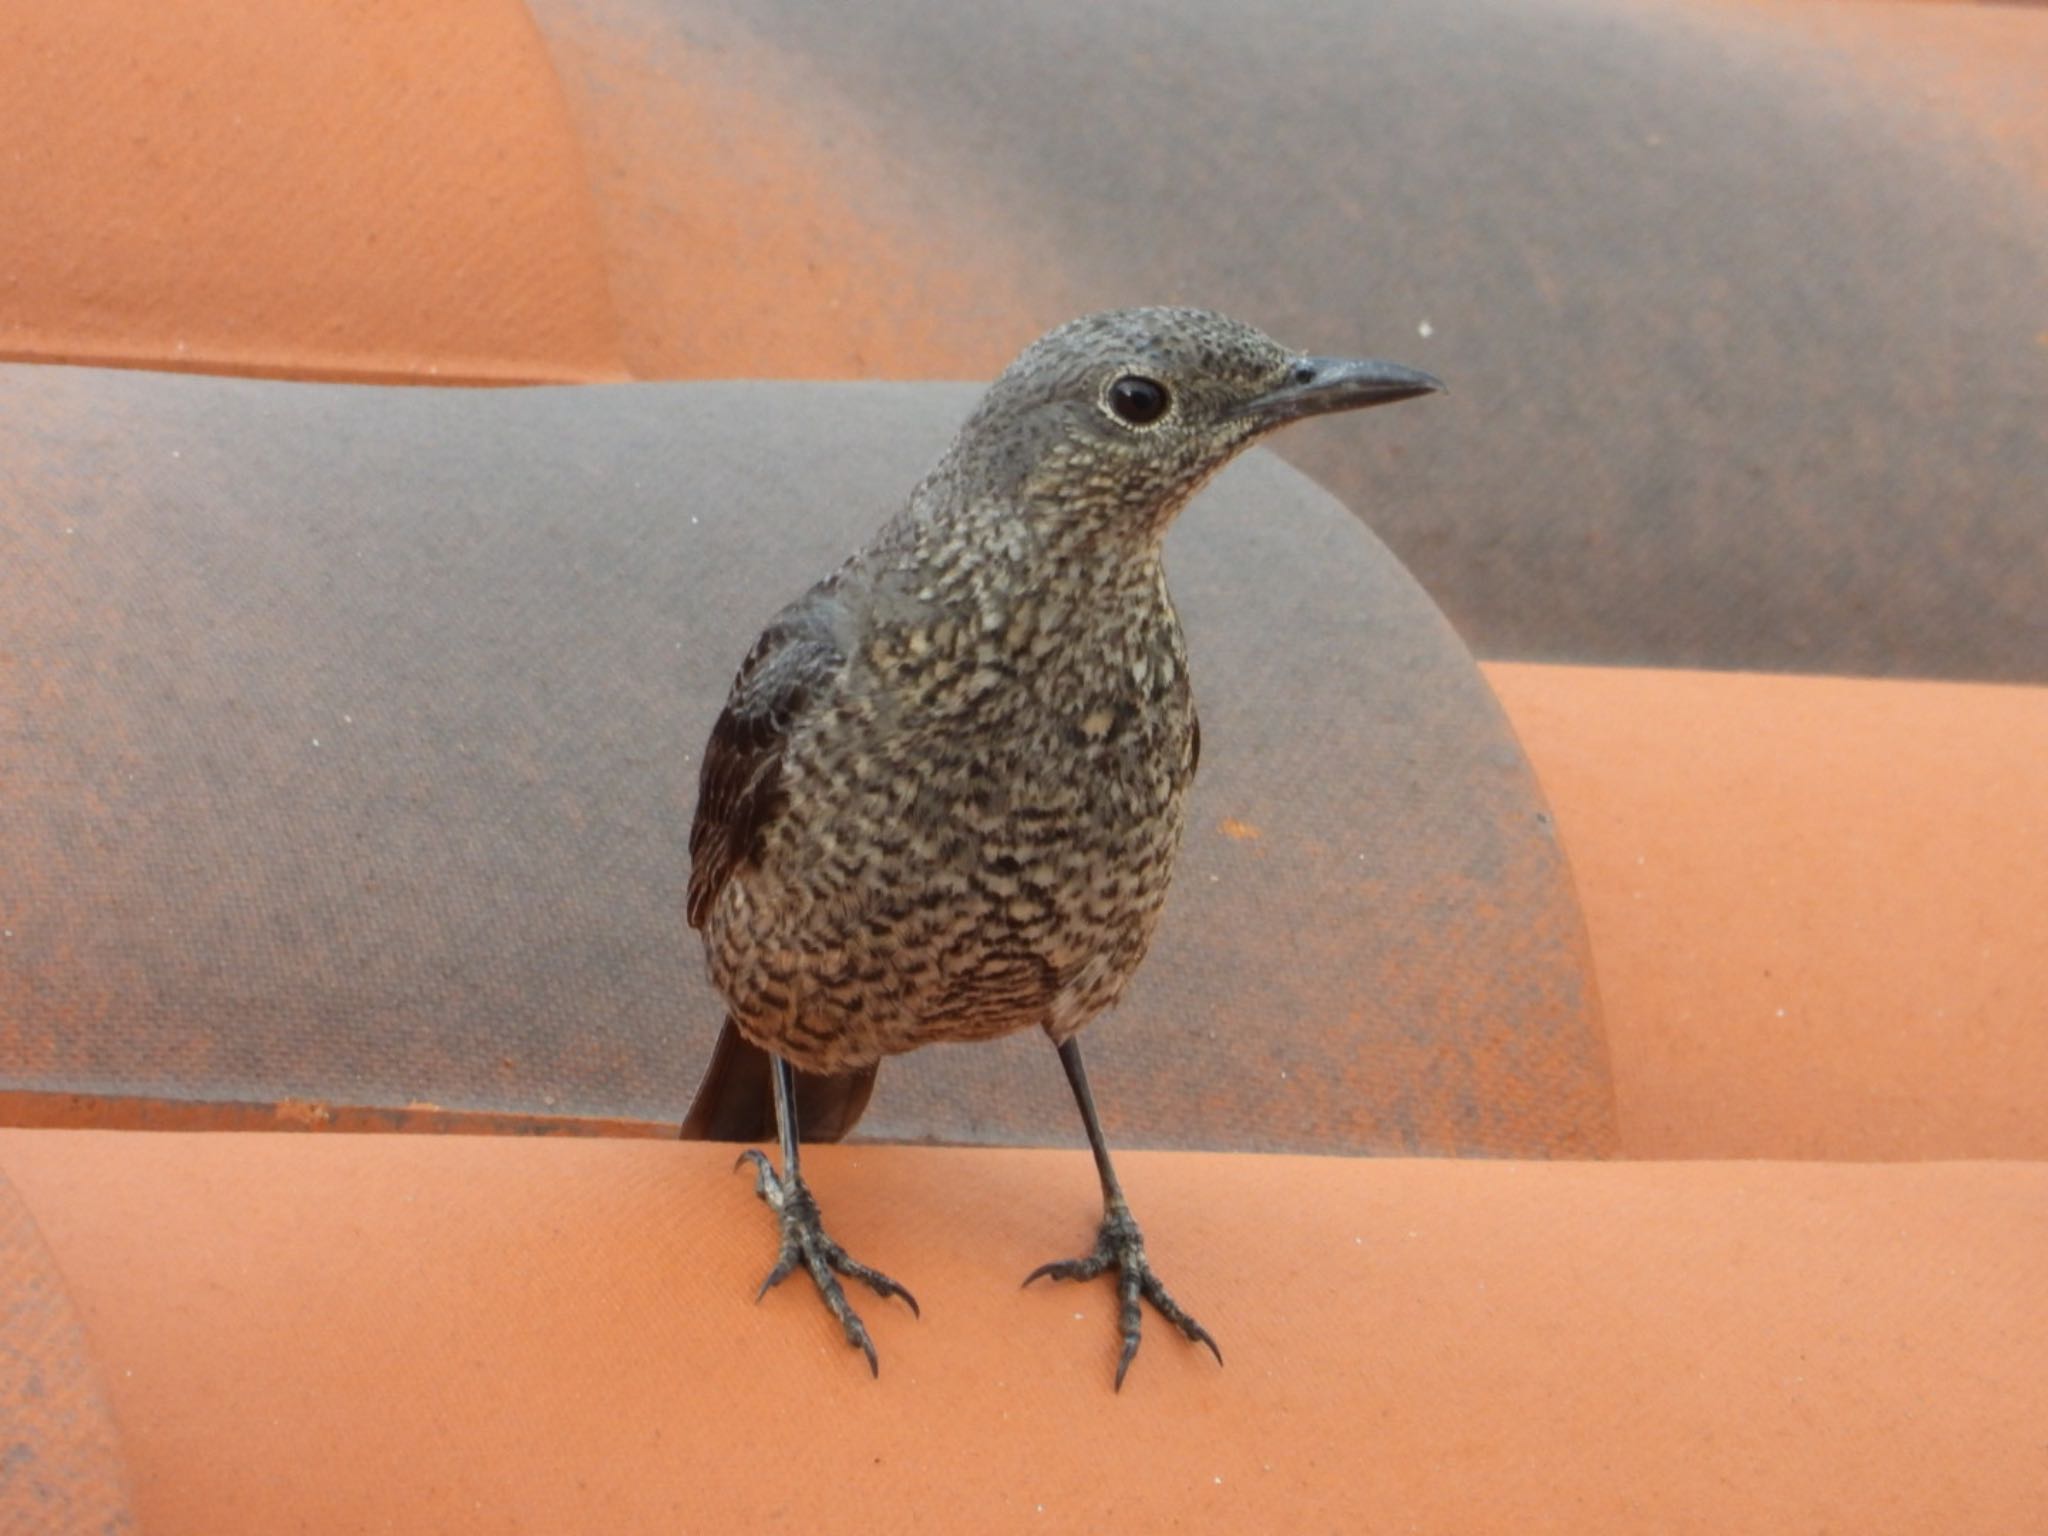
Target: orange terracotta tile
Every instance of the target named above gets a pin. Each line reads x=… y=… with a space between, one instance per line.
x=1980 y=63
x=330 y=1334
x=60 y=1463
x=756 y=227
x=296 y=188
x=1815 y=905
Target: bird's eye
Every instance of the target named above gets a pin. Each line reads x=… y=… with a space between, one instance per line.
x=1138 y=400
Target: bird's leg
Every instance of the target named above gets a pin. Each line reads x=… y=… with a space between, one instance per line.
x=803 y=1233
x=1118 y=1242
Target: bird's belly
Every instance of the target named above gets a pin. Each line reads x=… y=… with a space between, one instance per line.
x=1017 y=894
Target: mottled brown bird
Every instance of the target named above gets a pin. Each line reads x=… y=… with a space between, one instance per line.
x=945 y=796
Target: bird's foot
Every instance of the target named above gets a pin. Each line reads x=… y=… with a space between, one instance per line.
x=1120 y=1243
x=804 y=1241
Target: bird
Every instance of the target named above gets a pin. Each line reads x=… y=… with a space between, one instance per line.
x=945 y=794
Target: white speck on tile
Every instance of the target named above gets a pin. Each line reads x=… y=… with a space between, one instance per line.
x=1425 y=329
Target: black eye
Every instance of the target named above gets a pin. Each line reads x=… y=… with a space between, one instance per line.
x=1138 y=400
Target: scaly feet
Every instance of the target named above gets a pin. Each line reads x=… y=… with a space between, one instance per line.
x=1120 y=1243
x=803 y=1238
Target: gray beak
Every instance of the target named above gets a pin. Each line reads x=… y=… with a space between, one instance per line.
x=1316 y=386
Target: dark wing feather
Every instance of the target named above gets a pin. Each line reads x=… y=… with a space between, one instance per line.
x=794 y=664
x=792 y=670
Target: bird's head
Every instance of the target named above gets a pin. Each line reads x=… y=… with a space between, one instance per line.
x=1111 y=422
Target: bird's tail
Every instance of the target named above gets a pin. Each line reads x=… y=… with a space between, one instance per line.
x=736 y=1099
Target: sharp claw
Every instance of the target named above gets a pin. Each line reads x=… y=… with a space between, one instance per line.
x=874 y=1279
x=893 y=1289
x=803 y=1238
x=1191 y=1330
x=781 y=1272
x=1073 y=1269
x=1121 y=1244
x=1124 y=1362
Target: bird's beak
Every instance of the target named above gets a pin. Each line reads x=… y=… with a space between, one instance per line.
x=1316 y=386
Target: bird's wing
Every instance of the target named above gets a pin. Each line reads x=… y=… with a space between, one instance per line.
x=793 y=667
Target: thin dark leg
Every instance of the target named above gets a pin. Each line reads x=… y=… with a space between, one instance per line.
x=785 y=1115
x=1118 y=1242
x=1084 y=1096
x=803 y=1231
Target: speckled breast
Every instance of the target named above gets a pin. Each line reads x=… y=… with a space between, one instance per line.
x=980 y=842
